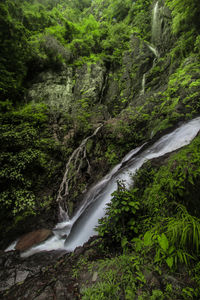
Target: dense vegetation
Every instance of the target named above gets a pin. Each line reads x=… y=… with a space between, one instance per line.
x=155 y=226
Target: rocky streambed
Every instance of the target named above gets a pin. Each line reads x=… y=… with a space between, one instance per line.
x=45 y=275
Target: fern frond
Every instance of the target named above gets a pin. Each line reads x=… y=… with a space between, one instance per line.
x=184 y=230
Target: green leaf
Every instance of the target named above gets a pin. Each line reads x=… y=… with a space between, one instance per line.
x=170 y=261
x=163 y=242
x=124 y=242
x=132 y=203
x=148 y=238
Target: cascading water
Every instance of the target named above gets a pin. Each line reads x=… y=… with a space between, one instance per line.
x=154 y=50
x=64 y=186
x=151 y=47
x=82 y=226
x=155 y=23
x=143 y=84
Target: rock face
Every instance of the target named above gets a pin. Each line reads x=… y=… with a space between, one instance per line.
x=60 y=90
x=47 y=275
x=15 y=270
x=89 y=81
x=161 y=31
x=32 y=238
x=95 y=83
x=53 y=88
x=100 y=90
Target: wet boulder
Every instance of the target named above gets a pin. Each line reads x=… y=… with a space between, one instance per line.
x=32 y=238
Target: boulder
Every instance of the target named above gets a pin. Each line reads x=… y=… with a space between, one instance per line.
x=32 y=238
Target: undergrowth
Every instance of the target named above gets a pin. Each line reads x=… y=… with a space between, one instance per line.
x=156 y=227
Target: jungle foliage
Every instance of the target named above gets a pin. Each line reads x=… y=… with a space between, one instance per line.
x=37 y=36
x=153 y=227
x=156 y=224
x=29 y=158
x=44 y=34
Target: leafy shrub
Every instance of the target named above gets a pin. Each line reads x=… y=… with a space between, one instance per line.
x=55 y=51
x=184 y=230
x=117 y=277
x=121 y=216
x=26 y=159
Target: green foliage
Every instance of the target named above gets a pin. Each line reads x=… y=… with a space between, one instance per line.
x=117 y=277
x=139 y=16
x=184 y=12
x=117 y=40
x=26 y=154
x=111 y=155
x=33 y=37
x=164 y=249
x=175 y=182
x=184 y=230
x=82 y=114
x=14 y=50
x=121 y=216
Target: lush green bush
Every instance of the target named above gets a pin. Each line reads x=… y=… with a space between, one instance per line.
x=184 y=12
x=27 y=158
x=121 y=217
x=118 y=278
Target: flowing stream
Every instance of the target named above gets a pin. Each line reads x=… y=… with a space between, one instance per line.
x=154 y=32
x=154 y=50
x=75 y=232
x=155 y=22
x=76 y=160
x=143 y=84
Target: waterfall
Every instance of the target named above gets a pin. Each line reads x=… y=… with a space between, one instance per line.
x=155 y=27
x=64 y=186
x=154 y=50
x=82 y=226
x=155 y=23
x=143 y=84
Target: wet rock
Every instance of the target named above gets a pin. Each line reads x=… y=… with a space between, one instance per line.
x=32 y=238
x=89 y=81
x=61 y=90
x=60 y=291
x=43 y=258
x=94 y=277
x=21 y=276
x=12 y=270
x=53 y=88
x=7 y=283
x=46 y=294
x=161 y=35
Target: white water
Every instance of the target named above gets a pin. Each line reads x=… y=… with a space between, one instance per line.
x=151 y=47
x=75 y=160
x=11 y=247
x=143 y=84
x=154 y=50
x=81 y=227
x=155 y=22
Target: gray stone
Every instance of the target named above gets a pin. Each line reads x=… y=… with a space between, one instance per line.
x=60 y=291
x=6 y=284
x=94 y=277
x=46 y=294
x=54 y=89
x=21 y=276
